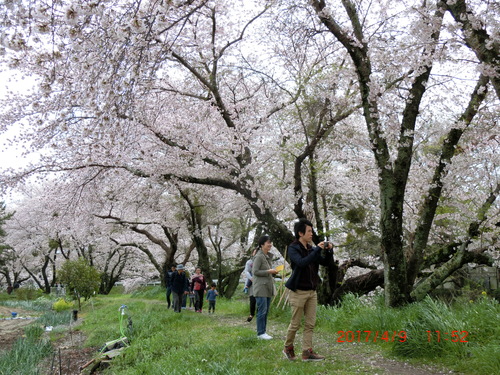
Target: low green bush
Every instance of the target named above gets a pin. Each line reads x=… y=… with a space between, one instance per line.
x=61 y=305
x=27 y=294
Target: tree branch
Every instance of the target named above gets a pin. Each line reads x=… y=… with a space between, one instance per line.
x=448 y=148
x=487 y=50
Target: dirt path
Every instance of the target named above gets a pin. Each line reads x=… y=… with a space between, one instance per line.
x=11 y=329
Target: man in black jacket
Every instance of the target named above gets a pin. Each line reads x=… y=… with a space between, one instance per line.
x=168 y=283
x=180 y=285
x=305 y=260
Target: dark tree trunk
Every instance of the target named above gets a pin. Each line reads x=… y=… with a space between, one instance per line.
x=229 y=282
x=196 y=227
x=360 y=285
x=113 y=270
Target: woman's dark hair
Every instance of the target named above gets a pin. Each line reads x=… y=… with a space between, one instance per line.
x=263 y=240
x=300 y=226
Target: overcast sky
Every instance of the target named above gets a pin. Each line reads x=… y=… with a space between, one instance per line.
x=10 y=155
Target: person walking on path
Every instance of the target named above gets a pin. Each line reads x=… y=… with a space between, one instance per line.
x=179 y=286
x=305 y=260
x=249 y=286
x=263 y=284
x=198 y=286
x=168 y=283
x=212 y=298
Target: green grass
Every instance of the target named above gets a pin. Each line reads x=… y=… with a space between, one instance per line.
x=188 y=343
x=163 y=342
x=476 y=322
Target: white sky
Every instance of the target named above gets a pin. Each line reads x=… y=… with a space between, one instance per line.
x=10 y=155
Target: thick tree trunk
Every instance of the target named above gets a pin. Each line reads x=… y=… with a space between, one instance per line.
x=328 y=285
x=196 y=229
x=393 y=174
x=396 y=286
x=45 y=275
x=440 y=274
x=361 y=285
x=229 y=283
x=111 y=275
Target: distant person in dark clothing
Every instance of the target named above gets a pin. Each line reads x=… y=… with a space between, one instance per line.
x=168 y=282
x=180 y=287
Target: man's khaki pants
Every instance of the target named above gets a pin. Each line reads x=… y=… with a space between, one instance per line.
x=303 y=303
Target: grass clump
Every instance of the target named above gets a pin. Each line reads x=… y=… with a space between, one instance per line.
x=429 y=329
x=464 y=335
x=55 y=318
x=26 y=353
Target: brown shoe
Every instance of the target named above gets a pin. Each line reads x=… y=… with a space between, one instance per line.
x=289 y=353
x=309 y=355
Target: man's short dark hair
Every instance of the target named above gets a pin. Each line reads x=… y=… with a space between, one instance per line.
x=300 y=226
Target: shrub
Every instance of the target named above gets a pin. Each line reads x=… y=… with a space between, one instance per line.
x=61 y=305
x=80 y=278
x=27 y=294
x=431 y=318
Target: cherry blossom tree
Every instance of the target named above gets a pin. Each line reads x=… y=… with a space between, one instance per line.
x=7 y=255
x=46 y=230
x=480 y=32
x=297 y=108
x=393 y=139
